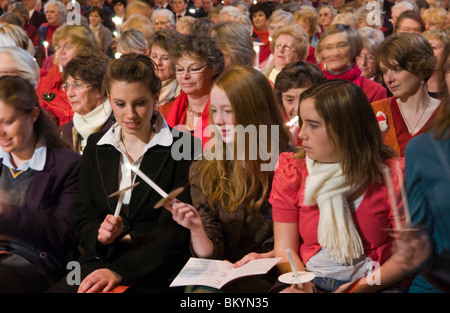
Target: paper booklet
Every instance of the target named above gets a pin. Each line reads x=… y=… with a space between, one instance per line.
x=216 y=274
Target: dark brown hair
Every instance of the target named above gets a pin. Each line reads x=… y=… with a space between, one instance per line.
x=352 y=127
x=19 y=93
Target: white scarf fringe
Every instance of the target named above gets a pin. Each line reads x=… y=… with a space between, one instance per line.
x=326 y=187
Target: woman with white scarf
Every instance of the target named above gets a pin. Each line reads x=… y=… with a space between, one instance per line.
x=82 y=82
x=330 y=204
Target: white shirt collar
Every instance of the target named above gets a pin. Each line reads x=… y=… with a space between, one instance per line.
x=37 y=161
x=163 y=136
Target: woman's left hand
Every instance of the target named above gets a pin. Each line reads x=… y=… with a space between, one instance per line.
x=101 y=280
x=253 y=256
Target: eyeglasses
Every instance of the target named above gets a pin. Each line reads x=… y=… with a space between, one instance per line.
x=281 y=47
x=76 y=86
x=367 y=58
x=162 y=23
x=66 y=47
x=190 y=70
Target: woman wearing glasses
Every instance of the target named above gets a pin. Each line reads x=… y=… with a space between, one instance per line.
x=82 y=78
x=336 y=52
x=161 y=46
x=197 y=61
x=371 y=39
x=289 y=44
x=69 y=41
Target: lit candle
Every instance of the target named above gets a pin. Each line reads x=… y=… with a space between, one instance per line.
x=256 y=48
x=46 y=49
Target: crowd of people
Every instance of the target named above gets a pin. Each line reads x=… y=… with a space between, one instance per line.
x=135 y=134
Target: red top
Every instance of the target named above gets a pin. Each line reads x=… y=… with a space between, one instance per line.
x=371 y=217
x=403 y=135
x=175 y=111
x=52 y=97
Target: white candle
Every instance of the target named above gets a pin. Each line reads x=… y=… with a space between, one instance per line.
x=256 y=48
x=119 y=205
x=390 y=189
x=46 y=49
x=293 y=267
x=403 y=190
x=147 y=180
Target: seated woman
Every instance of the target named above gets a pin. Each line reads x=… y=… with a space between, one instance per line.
x=426 y=181
x=38 y=186
x=161 y=46
x=82 y=78
x=197 y=61
x=329 y=200
x=289 y=44
x=292 y=81
x=69 y=41
x=230 y=217
x=336 y=52
x=142 y=246
x=406 y=62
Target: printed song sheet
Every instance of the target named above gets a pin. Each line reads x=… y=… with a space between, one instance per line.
x=216 y=274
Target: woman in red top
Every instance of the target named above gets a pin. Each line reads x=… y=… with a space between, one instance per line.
x=69 y=41
x=336 y=53
x=329 y=201
x=406 y=62
x=197 y=61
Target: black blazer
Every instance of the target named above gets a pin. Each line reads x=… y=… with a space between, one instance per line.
x=160 y=247
x=44 y=227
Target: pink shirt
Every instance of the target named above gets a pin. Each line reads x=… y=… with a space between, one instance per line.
x=371 y=217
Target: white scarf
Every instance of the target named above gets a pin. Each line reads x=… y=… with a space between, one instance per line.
x=326 y=187
x=93 y=121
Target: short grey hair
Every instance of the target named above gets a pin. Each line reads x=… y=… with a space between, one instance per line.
x=25 y=64
x=371 y=38
x=164 y=13
x=59 y=7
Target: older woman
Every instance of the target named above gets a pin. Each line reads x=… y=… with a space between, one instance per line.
x=438 y=39
x=406 y=62
x=55 y=12
x=289 y=44
x=163 y=19
x=338 y=47
x=434 y=18
x=371 y=40
x=69 y=41
x=82 y=78
x=161 y=46
x=197 y=61
x=326 y=14
x=309 y=20
x=292 y=81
